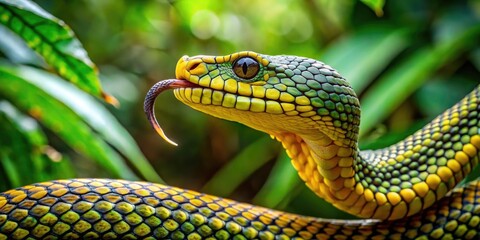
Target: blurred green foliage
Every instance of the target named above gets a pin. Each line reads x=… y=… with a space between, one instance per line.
x=408 y=61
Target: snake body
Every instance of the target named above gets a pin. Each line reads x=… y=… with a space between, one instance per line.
x=404 y=191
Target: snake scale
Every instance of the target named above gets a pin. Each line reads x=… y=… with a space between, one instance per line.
x=405 y=191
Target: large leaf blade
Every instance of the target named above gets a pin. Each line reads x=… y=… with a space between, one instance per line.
x=15 y=86
x=55 y=42
x=95 y=115
x=25 y=154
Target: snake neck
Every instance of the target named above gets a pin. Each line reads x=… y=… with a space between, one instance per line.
x=397 y=181
x=327 y=168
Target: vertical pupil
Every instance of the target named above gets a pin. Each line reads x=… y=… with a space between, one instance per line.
x=244 y=68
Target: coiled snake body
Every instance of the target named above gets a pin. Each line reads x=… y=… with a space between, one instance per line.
x=406 y=191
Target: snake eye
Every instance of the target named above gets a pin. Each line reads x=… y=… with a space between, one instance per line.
x=246 y=67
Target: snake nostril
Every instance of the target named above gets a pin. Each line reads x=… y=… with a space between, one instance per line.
x=195 y=65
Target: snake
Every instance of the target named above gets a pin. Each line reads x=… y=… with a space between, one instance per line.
x=410 y=190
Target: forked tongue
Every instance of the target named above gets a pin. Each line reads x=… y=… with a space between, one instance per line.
x=149 y=103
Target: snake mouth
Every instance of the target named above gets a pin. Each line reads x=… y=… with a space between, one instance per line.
x=149 y=103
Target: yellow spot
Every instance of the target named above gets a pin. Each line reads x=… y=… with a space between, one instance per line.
x=231 y=86
x=243 y=103
x=38 y=195
x=205 y=81
x=359 y=189
x=288 y=107
x=461 y=157
x=454 y=165
x=444 y=173
x=399 y=211
x=217 y=83
x=475 y=140
x=229 y=100
x=257 y=105
x=407 y=194
x=391 y=161
x=436 y=136
x=196 y=95
x=286 y=97
x=308 y=114
x=437 y=233
x=302 y=100
x=368 y=195
x=59 y=192
x=470 y=150
x=408 y=154
x=188 y=93
x=394 y=198
x=274 y=107
x=265 y=62
x=433 y=180
x=304 y=108
x=207 y=96
x=445 y=128
x=417 y=148
x=258 y=91
x=381 y=198
x=217 y=98
x=244 y=89
x=273 y=94
x=292 y=113
x=421 y=189
x=454 y=121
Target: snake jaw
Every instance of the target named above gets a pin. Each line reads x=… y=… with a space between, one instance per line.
x=149 y=103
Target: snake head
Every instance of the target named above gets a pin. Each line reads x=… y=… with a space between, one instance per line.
x=274 y=94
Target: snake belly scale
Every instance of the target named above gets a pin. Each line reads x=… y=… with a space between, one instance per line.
x=405 y=191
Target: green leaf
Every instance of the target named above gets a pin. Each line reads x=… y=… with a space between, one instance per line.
x=16 y=50
x=55 y=42
x=10 y=168
x=96 y=115
x=407 y=76
x=23 y=141
x=229 y=177
x=362 y=55
x=375 y=5
x=16 y=84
